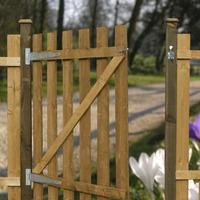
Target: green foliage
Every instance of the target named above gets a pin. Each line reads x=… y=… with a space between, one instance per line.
x=143 y=64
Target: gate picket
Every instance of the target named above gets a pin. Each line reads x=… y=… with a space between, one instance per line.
x=121 y=114
x=85 y=122
x=52 y=110
x=37 y=113
x=68 y=172
x=103 y=177
x=13 y=127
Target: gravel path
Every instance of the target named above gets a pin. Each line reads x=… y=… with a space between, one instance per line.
x=146 y=111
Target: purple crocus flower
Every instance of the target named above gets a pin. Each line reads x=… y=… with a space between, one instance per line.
x=194 y=129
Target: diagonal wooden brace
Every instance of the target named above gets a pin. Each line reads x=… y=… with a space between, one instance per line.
x=77 y=115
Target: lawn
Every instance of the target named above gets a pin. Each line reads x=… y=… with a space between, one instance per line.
x=133 y=80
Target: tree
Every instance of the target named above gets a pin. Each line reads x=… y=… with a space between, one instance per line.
x=43 y=11
x=60 y=22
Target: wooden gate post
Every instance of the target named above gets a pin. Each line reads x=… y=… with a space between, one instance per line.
x=25 y=110
x=170 y=111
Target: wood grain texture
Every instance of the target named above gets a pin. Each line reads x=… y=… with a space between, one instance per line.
x=9 y=61
x=103 y=177
x=68 y=172
x=85 y=53
x=10 y=181
x=121 y=113
x=195 y=54
x=85 y=121
x=25 y=111
x=79 y=112
x=182 y=136
x=99 y=190
x=188 y=175
x=170 y=113
x=37 y=114
x=52 y=111
x=13 y=127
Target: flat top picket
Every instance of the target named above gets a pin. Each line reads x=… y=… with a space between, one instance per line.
x=52 y=110
x=85 y=122
x=37 y=113
x=121 y=113
x=13 y=126
x=103 y=177
x=68 y=168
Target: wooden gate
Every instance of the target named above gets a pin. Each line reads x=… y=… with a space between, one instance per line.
x=110 y=61
x=178 y=57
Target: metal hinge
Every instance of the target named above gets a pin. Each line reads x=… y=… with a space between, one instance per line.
x=31 y=178
x=171 y=53
x=34 y=56
x=124 y=50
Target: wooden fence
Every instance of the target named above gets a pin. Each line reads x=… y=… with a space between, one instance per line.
x=178 y=59
x=25 y=119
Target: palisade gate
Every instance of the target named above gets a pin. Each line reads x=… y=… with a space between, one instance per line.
x=26 y=179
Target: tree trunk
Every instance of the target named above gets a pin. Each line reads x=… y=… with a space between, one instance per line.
x=94 y=6
x=42 y=15
x=60 y=22
x=34 y=13
x=133 y=20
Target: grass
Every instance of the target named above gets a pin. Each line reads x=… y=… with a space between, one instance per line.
x=133 y=81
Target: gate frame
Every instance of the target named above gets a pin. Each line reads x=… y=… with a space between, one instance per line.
x=178 y=56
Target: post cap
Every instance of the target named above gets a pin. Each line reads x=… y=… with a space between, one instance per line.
x=172 y=20
x=25 y=21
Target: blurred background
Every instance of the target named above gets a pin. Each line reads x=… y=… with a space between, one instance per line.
x=145 y=20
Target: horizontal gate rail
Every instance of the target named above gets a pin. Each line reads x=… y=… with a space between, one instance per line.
x=9 y=61
x=188 y=174
x=79 y=186
x=9 y=181
x=68 y=54
x=90 y=97
x=188 y=55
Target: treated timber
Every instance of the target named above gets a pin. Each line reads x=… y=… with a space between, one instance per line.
x=121 y=113
x=25 y=109
x=37 y=114
x=79 y=112
x=182 y=136
x=9 y=61
x=52 y=110
x=10 y=181
x=13 y=127
x=68 y=171
x=188 y=54
x=170 y=112
x=188 y=175
x=99 y=190
x=102 y=117
x=92 y=189
x=85 y=121
x=195 y=54
x=81 y=53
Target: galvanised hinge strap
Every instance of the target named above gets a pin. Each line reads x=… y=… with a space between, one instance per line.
x=38 y=56
x=31 y=178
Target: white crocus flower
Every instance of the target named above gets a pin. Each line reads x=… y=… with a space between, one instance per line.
x=193 y=193
x=160 y=159
x=145 y=169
